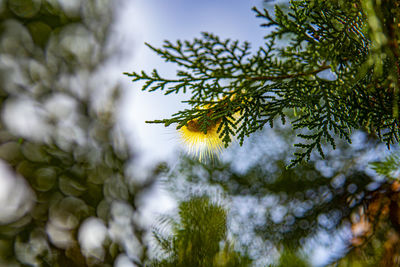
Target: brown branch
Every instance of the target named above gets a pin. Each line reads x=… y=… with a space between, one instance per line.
x=281 y=77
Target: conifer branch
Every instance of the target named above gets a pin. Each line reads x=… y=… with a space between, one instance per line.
x=223 y=75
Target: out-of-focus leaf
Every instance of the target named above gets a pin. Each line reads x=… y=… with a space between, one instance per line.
x=24 y=8
x=40 y=32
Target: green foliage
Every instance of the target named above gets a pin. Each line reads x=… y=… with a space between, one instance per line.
x=338 y=69
x=197 y=238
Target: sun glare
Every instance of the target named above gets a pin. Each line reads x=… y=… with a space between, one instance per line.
x=202 y=145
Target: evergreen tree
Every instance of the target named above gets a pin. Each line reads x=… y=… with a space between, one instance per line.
x=338 y=70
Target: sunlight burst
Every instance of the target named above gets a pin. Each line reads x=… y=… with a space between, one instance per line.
x=202 y=145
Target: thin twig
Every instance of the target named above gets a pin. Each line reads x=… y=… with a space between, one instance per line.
x=280 y=77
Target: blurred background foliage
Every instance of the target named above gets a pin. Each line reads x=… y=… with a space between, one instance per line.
x=67 y=197
x=340 y=204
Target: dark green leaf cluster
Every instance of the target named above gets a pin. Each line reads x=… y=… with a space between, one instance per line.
x=320 y=60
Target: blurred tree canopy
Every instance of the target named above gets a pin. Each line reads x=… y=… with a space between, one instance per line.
x=64 y=160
